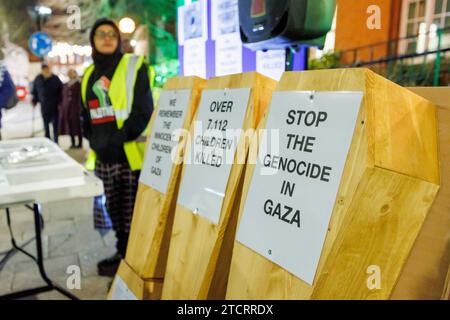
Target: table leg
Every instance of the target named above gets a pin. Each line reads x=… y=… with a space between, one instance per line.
x=40 y=262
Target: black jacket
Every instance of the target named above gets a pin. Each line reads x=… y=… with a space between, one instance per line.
x=99 y=123
x=48 y=93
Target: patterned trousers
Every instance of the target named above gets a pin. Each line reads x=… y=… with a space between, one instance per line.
x=120 y=184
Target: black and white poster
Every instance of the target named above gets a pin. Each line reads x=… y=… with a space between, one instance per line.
x=295 y=183
x=211 y=154
x=170 y=117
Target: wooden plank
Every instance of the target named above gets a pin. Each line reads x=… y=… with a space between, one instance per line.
x=424 y=273
x=381 y=225
x=153 y=213
x=142 y=289
x=387 y=126
x=446 y=292
x=394 y=146
x=132 y=280
x=153 y=289
x=200 y=251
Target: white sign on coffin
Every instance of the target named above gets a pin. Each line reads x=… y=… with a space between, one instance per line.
x=293 y=191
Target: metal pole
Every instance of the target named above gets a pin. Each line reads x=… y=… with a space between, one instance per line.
x=437 y=64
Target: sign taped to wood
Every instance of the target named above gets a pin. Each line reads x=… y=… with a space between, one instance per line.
x=212 y=149
x=294 y=186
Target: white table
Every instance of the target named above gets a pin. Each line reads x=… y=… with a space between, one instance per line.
x=49 y=175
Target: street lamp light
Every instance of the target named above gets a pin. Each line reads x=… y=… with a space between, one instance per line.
x=39 y=14
x=127 y=25
x=43 y=10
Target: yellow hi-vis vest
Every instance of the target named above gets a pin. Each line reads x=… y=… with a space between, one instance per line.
x=120 y=92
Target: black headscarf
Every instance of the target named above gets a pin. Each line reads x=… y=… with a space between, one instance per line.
x=105 y=61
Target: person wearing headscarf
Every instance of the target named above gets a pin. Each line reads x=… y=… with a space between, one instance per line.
x=117 y=105
x=70 y=110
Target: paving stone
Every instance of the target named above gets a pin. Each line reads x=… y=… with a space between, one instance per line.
x=55 y=267
x=66 y=244
x=110 y=239
x=19 y=257
x=78 y=155
x=74 y=208
x=92 y=288
x=22 y=222
x=89 y=259
x=27 y=279
x=84 y=223
x=6 y=280
x=55 y=227
x=5 y=241
x=51 y=295
x=2 y=219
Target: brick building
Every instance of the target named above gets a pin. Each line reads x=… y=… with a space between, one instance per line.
x=399 y=19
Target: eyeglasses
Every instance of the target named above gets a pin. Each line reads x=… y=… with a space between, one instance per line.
x=109 y=34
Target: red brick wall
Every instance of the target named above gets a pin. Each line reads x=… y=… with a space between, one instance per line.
x=352 y=30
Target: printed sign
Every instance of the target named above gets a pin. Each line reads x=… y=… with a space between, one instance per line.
x=40 y=43
x=225 y=31
x=228 y=54
x=194 y=58
x=121 y=290
x=212 y=150
x=171 y=115
x=193 y=21
x=271 y=63
x=224 y=18
x=192 y=34
x=294 y=186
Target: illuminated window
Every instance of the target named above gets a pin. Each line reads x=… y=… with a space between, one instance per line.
x=421 y=21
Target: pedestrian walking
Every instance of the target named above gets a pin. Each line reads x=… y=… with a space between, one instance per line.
x=47 y=90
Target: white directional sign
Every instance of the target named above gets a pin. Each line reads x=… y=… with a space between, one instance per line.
x=171 y=115
x=294 y=186
x=212 y=150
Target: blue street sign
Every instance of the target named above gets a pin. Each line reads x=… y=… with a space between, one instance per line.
x=40 y=43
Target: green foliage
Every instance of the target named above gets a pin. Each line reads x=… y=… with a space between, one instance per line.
x=329 y=60
x=160 y=18
x=164 y=71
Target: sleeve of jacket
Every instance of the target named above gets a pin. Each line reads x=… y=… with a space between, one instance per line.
x=141 y=110
x=85 y=120
x=59 y=86
x=34 y=91
x=7 y=88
